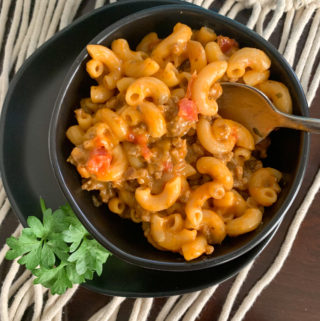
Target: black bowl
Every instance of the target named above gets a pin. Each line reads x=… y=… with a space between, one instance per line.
x=288 y=152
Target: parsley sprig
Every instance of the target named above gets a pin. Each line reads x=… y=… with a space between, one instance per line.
x=59 y=251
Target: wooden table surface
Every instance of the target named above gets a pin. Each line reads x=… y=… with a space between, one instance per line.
x=293 y=295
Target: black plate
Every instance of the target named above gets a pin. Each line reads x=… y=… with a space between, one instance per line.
x=25 y=165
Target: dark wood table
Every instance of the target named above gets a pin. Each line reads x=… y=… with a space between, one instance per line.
x=293 y=295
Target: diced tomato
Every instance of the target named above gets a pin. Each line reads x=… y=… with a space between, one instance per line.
x=131 y=138
x=142 y=141
x=190 y=82
x=139 y=139
x=98 y=142
x=226 y=43
x=167 y=166
x=188 y=109
x=99 y=161
x=145 y=152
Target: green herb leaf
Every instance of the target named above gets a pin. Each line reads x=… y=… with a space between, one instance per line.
x=74 y=235
x=36 y=226
x=48 y=258
x=58 y=246
x=58 y=250
x=56 y=279
x=89 y=256
x=48 y=221
x=73 y=275
x=27 y=245
x=32 y=259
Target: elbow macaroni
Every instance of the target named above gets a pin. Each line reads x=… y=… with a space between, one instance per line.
x=252 y=58
x=278 y=93
x=150 y=139
x=217 y=170
x=140 y=68
x=264 y=187
x=197 y=56
x=207 y=77
x=169 y=232
x=110 y=60
x=173 y=45
x=198 y=198
x=214 y=52
x=147 y=87
x=161 y=201
x=154 y=119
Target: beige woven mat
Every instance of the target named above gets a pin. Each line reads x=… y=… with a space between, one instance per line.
x=35 y=21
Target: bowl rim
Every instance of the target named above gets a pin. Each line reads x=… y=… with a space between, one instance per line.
x=210 y=260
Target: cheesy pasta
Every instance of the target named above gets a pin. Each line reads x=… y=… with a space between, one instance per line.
x=149 y=139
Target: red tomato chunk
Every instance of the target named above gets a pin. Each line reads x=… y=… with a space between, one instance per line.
x=188 y=109
x=142 y=141
x=99 y=161
x=226 y=43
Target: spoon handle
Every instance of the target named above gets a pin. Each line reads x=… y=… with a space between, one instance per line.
x=302 y=123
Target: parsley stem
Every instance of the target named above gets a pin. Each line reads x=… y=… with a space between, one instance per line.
x=42 y=205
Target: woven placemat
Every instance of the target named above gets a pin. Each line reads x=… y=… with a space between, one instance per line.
x=35 y=21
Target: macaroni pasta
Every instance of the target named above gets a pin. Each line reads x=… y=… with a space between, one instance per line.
x=150 y=140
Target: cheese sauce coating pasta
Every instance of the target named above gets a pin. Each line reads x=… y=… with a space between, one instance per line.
x=150 y=140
